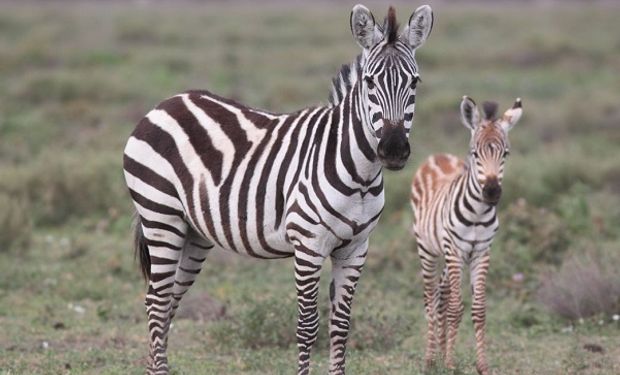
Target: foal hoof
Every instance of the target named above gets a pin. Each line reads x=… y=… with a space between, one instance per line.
x=483 y=370
x=430 y=364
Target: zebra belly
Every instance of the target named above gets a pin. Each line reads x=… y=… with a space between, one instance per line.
x=240 y=221
x=473 y=239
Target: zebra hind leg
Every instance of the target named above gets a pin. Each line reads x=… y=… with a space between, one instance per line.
x=193 y=256
x=442 y=305
x=455 y=308
x=160 y=245
x=431 y=292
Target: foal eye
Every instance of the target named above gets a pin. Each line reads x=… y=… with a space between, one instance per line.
x=474 y=153
x=369 y=82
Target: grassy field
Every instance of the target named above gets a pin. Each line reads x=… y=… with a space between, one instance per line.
x=76 y=77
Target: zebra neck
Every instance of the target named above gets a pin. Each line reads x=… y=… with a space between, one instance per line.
x=471 y=195
x=343 y=82
x=356 y=146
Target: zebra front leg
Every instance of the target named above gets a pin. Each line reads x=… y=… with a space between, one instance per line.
x=479 y=270
x=307 y=274
x=345 y=275
x=455 y=305
x=431 y=297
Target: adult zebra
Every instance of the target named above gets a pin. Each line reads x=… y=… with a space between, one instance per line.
x=454 y=205
x=204 y=170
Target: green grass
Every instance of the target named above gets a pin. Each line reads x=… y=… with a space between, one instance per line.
x=76 y=77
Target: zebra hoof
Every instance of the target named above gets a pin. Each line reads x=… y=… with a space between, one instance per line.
x=483 y=369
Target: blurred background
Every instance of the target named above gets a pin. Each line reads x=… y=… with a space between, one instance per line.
x=76 y=76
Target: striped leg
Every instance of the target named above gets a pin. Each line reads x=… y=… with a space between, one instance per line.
x=442 y=305
x=431 y=290
x=479 y=269
x=165 y=242
x=345 y=274
x=307 y=275
x=194 y=254
x=455 y=305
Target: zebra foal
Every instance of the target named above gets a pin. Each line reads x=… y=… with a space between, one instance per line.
x=204 y=171
x=454 y=203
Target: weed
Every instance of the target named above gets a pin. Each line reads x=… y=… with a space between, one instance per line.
x=582 y=287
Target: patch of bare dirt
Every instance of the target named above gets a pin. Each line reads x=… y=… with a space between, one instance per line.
x=201 y=307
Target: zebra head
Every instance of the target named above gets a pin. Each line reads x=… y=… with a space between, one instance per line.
x=489 y=144
x=389 y=75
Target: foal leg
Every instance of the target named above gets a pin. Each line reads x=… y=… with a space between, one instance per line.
x=345 y=274
x=429 y=275
x=442 y=305
x=455 y=304
x=479 y=269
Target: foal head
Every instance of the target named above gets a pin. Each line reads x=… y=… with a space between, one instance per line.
x=489 y=145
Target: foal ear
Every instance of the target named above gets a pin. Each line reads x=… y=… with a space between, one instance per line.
x=363 y=27
x=470 y=116
x=419 y=27
x=512 y=116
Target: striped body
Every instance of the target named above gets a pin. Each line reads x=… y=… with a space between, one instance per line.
x=447 y=207
x=455 y=220
x=205 y=171
x=253 y=182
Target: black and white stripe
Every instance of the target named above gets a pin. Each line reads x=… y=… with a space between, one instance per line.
x=204 y=171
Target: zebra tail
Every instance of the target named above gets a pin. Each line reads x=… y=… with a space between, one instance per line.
x=141 y=251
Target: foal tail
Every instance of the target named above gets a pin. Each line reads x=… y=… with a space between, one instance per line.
x=141 y=251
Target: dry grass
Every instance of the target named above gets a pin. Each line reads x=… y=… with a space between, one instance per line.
x=583 y=287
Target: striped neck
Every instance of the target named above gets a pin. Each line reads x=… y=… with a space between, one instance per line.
x=345 y=80
x=471 y=194
x=356 y=146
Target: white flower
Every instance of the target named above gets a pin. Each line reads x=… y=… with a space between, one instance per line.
x=616 y=317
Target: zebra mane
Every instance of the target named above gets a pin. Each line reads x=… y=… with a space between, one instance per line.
x=344 y=80
x=390 y=26
x=490 y=110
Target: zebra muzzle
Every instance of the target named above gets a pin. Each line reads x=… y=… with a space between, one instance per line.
x=393 y=149
x=492 y=191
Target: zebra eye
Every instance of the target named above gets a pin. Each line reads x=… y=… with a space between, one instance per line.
x=370 y=83
x=414 y=82
x=474 y=153
x=506 y=152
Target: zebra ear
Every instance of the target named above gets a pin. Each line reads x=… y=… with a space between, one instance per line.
x=512 y=116
x=363 y=27
x=419 y=27
x=470 y=116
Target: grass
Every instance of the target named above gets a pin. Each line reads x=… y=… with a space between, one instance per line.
x=77 y=76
